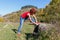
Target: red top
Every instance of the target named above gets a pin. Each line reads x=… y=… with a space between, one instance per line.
x=25 y=15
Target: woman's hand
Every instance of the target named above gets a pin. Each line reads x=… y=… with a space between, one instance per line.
x=36 y=23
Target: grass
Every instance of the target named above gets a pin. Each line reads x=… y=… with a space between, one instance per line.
x=8 y=31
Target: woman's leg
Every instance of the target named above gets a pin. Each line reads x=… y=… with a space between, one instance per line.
x=21 y=24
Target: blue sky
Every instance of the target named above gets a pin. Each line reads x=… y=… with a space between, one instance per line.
x=8 y=6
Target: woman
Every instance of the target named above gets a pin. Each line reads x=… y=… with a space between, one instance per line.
x=27 y=15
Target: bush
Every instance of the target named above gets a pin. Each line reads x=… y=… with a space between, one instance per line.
x=1 y=19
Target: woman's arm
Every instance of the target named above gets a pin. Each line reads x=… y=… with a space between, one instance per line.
x=35 y=17
x=30 y=19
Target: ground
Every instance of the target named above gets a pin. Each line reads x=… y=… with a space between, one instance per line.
x=8 y=31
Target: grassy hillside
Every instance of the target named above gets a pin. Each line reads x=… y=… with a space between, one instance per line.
x=8 y=31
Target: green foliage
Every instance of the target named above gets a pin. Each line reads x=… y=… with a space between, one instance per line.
x=51 y=13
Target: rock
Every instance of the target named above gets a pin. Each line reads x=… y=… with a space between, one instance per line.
x=43 y=27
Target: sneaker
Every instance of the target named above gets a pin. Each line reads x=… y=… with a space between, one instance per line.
x=18 y=34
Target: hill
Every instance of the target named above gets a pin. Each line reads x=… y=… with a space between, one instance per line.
x=14 y=16
x=49 y=14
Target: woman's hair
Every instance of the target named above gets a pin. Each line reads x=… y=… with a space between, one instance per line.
x=33 y=10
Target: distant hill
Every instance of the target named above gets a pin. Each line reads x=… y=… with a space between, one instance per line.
x=28 y=6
